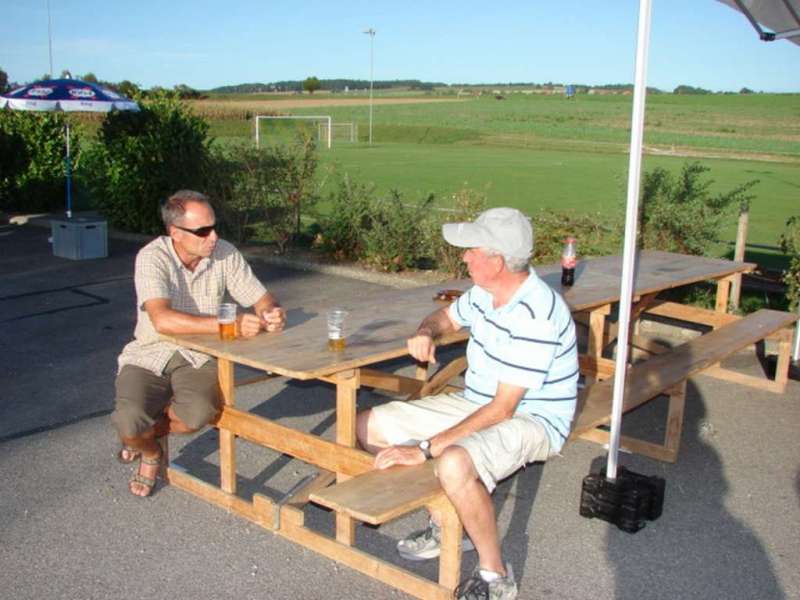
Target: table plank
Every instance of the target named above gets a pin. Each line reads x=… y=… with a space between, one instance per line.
x=380 y=323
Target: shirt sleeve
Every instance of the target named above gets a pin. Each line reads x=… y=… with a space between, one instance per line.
x=462 y=310
x=151 y=277
x=242 y=284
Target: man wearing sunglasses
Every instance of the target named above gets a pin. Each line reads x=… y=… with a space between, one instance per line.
x=181 y=279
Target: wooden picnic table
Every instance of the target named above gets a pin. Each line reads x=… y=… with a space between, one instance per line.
x=378 y=326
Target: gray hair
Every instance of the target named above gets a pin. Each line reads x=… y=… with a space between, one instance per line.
x=174 y=208
x=514 y=264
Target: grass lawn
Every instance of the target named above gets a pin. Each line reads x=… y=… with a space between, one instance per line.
x=536 y=151
x=531 y=179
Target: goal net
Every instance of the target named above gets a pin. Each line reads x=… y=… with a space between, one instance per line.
x=285 y=128
x=339 y=132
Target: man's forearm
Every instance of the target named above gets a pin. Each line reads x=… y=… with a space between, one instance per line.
x=266 y=303
x=436 y=324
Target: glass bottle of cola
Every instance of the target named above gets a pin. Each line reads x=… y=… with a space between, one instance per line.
x=568 y=260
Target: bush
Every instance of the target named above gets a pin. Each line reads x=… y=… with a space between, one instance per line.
x=681 y=216
x=387 y=233
x=260 y=192
x=595 y=235
x=395 y=237
x=342 y=228
x=141 y=158
x=790 y=244
x=32 y=148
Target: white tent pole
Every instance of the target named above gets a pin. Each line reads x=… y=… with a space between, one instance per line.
x=631 y=217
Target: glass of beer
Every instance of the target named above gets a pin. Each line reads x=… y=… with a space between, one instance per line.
x=336 y=335
x=226 y=317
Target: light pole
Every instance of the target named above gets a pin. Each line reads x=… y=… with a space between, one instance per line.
x=371 y=33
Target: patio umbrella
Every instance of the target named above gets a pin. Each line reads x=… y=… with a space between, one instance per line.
x=781 y=16
x=67 y=95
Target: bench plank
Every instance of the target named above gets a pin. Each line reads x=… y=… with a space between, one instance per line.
x=650 y=378
x=379 y=496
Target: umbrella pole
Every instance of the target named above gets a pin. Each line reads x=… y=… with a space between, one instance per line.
x=631 y=217
x=68 y=173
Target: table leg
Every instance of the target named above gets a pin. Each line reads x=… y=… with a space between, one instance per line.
x=347 y=384
x=597 y=321
x=723 y=293
x=227 y=440
x=421 y=372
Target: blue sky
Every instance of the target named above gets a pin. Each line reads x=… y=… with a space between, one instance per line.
x=210 y=43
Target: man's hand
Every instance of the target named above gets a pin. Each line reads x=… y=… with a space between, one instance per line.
x=421 y=346
x=273 y=320
x=248 y=324
x=399 y=455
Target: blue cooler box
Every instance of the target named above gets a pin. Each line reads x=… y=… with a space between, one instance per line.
x=79 y=238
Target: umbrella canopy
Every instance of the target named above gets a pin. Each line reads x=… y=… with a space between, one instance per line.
x=780 y=16
x=67 y=95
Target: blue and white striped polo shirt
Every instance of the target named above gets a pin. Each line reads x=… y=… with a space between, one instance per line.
x=529 y=342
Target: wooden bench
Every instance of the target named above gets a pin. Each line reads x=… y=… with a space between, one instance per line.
x=379 y=496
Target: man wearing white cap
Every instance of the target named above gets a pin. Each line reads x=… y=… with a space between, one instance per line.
x=519 y=397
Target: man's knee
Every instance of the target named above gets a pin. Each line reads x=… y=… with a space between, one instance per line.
x=130 y=420
x=195 y=411
x=455 y=468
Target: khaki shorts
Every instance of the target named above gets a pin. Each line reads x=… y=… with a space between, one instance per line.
x=496 y=452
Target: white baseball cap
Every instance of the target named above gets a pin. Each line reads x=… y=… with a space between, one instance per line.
x=505 y=230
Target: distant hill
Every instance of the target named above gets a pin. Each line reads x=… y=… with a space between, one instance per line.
x=334 y=85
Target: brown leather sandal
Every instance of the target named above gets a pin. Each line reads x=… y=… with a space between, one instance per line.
x=148 y=482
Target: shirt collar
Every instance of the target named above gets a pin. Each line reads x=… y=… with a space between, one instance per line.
x=521 y=292
x=201 y=266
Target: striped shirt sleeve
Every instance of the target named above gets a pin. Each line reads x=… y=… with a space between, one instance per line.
x=462 y=310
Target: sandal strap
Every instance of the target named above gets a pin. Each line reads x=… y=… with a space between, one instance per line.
x=138 y=478
x=153 y=462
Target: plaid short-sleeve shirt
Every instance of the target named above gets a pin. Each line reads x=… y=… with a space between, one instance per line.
x=528 y=342
x=159 y=273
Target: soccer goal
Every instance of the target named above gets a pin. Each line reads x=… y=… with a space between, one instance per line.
x=339 y=132
x=287 y=123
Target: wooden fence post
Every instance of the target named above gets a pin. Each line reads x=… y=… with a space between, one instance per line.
x=738 y=255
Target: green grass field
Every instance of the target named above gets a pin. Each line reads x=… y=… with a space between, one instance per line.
x=536 y=152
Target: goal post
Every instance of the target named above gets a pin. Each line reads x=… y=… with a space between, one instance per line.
x=323 y=119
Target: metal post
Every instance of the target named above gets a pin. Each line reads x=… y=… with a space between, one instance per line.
x=68 y=169
x=50 y=38
x=371 y=33
x=629 y=251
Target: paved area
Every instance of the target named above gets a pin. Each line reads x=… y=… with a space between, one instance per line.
x=69 y=529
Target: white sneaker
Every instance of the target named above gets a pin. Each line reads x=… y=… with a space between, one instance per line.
x=476 y=587
x=426 y=544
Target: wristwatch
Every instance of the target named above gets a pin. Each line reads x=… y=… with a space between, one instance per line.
x=425 y=446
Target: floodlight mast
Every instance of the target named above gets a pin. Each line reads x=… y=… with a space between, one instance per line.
x=371 y=33
x=50 y=38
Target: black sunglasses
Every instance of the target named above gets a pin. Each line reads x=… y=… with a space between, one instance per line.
x=200 y=231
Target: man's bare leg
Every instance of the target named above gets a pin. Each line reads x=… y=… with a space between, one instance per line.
x=371 y=440
x=147 y=446
x=473 y=504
